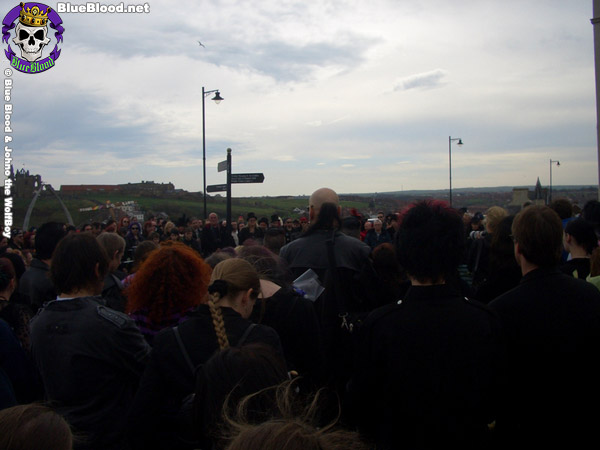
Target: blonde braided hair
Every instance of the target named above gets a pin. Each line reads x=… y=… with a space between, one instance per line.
x=217 y=320
x=228 y=278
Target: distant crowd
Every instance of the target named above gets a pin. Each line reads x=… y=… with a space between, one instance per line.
x=416 y=329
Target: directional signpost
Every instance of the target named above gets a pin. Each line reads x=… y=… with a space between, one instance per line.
x=233 y=178
x=222 y=166
x=216 y=188
x=247 y=177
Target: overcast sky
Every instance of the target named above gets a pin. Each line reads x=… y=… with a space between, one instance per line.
x=356 y=95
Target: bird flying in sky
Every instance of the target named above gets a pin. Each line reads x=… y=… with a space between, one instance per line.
x=201 y=44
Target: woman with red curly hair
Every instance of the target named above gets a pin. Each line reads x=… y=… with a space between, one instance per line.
x=168 y=285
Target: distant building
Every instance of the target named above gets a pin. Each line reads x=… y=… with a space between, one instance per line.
x=148 y=187
x=522 y=196
x=143 y=188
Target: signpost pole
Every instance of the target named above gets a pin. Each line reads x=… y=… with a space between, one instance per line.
x=229 y=229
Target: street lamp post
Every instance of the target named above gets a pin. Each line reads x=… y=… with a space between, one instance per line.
x=460 y=142
x=550 y=191
x=217 y=99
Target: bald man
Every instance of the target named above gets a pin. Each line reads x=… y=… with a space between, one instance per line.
x=309 y=251
x=350 y=287
x=320 y=196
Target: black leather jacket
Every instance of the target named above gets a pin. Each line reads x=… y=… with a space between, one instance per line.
x=90 y=358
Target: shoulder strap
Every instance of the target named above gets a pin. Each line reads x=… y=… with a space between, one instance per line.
x=118 y=282
x=480 y=245
x=337 y=290
x=245 y=335
x=186 y=355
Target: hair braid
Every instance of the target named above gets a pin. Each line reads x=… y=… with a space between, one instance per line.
x=218 y=322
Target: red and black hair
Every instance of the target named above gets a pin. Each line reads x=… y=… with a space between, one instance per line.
x=173 y=279
x=430 y=240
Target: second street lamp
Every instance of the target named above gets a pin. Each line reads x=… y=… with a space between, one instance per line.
x=217 y=99
x=550 y=190
x=460 y=142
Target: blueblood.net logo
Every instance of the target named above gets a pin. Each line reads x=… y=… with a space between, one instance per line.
x=30 y=22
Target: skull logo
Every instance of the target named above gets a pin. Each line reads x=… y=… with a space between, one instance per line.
x=31 y=40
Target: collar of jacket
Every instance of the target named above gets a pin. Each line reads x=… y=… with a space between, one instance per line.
x=540 y=272
x=39 y=264
x=431 y=292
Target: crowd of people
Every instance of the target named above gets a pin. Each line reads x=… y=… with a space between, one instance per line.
x=419 y=329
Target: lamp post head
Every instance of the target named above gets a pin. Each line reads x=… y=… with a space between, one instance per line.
x=460 y=142
x=217 y=98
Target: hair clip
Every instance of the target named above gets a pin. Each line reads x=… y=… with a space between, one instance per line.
x=218 y=286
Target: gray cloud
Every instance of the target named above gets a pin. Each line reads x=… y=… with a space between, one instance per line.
x=288 y=62
x=426 y=80
x=273 y=56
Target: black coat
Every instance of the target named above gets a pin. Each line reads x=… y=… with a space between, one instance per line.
x=295 y=320
x=576 y=267
x=19 y=380
x=214 y=238
x=310 y=252
x=351 y=288
x=499 y=280
x=90 y=358
x=193 y=244
x=168 y=378
x=112 y=292
x=36 y=286
x=426 y=371
x=257 y=235
x=552 y=324
x=372 y=239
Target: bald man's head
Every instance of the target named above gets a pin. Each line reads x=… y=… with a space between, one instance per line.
x=320 y=196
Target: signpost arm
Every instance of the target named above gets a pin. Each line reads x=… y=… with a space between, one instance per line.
x=229 y=230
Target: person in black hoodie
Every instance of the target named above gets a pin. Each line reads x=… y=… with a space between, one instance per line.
x=428 y=367
x=294 y=318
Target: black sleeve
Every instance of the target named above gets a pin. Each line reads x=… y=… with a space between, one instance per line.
x=242 y=235
x=128 y=348
x=18 y=367
x=149 y=425
x=302 y=342
x=364 y=390
x=266 y=335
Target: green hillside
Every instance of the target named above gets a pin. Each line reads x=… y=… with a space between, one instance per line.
x=47 y=208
